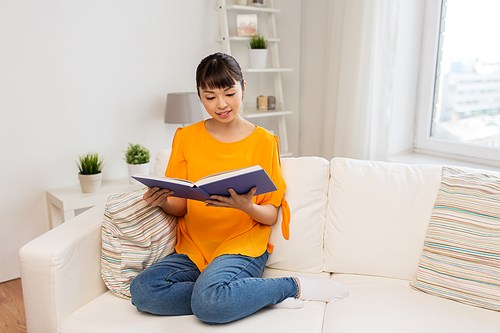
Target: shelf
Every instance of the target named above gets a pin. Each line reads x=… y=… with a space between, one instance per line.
x=260 y=114
x=253 y=9
x=245 y=39
x=266 y=70
x=250 y=111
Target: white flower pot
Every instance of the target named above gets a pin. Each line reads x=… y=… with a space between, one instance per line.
x=257 y=58
x=142 y=169
x=90 y=183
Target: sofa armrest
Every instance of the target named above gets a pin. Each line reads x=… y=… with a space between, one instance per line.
x=61 y=270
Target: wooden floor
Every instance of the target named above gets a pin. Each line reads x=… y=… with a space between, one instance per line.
x=12 y=318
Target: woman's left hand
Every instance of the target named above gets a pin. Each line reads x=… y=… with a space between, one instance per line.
x=237 y=201
x=265 y=214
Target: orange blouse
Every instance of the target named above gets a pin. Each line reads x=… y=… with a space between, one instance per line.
x=205 y=233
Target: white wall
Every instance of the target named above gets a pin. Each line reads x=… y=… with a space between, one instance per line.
x=93 y=75
x=314 y=35
x=86 y=75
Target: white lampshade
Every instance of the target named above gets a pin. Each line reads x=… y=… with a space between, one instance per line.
x=183 y=108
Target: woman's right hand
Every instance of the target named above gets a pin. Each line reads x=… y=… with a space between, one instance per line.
x=155 y=196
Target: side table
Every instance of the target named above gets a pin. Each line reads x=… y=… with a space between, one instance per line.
x=63 y=202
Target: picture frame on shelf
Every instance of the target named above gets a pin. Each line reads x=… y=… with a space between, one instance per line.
x=246 y=25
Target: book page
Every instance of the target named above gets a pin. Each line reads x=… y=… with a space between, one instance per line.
x=226 y=174
x=165 y=179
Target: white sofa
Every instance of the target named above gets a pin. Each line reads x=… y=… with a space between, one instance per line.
x=362 y=223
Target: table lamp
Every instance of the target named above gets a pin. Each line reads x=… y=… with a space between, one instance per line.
x=183 y=108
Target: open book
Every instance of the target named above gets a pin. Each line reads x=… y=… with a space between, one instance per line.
x=240 y=180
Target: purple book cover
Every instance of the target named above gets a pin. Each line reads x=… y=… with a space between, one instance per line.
x=241 y=180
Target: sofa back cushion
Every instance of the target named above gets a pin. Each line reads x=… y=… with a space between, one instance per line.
x=377 y=216
x=306 y=193
x=161 y=161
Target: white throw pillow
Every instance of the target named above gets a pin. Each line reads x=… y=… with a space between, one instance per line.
x=134 y=236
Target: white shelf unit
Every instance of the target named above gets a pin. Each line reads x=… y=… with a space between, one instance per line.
x=275 y=68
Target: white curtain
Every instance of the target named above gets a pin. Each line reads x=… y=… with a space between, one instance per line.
x=359 y=79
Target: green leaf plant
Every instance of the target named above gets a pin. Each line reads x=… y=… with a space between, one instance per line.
x=90 y=163
x=137 y=154
x=258 y=42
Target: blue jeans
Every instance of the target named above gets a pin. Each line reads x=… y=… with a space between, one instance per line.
x=228 y=289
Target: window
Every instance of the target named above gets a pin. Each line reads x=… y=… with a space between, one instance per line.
x=459 y=88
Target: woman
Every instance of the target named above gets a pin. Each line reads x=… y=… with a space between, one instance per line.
x=222 y=244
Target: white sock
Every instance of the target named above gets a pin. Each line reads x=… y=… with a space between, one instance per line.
x=320 y=289
x=289 y=303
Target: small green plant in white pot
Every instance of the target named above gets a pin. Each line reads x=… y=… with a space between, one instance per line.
x=257 y=54
x=137 y=158
x=90 y=175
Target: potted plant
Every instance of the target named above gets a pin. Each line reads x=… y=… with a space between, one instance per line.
x=257 y=54
x=137 y=158
x=90 y=175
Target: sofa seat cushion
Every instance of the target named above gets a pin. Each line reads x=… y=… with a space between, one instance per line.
x=108 y=313
x=378 y=304
x=377 y=216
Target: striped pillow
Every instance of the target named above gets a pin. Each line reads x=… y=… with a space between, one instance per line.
x=134 y=236
x=461 y=255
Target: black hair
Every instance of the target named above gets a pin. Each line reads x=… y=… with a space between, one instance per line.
x=218 y=71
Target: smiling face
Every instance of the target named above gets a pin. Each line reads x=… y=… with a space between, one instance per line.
x=220 y=86
x=223 y=105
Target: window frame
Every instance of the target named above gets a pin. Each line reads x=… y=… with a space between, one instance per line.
x=423 y=142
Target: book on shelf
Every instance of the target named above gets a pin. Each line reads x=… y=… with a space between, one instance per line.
x=240 y=180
